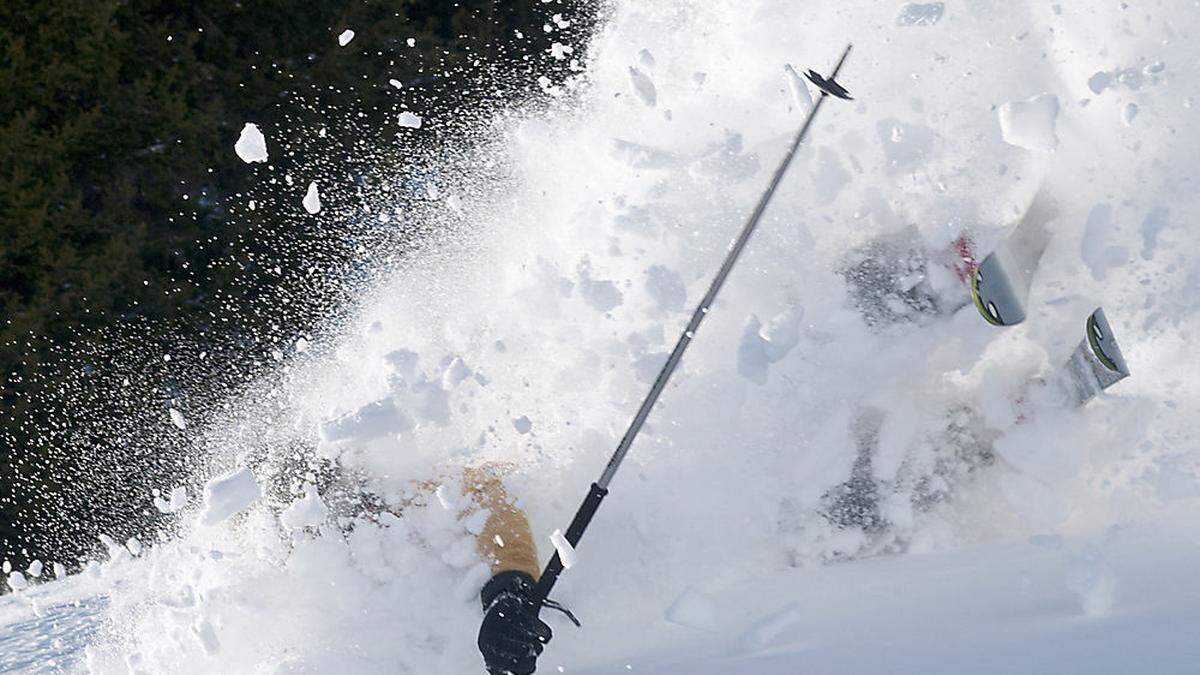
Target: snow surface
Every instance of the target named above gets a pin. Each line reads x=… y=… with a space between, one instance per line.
x=1072 y=549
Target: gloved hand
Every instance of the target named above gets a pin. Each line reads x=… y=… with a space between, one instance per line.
x=511 y=636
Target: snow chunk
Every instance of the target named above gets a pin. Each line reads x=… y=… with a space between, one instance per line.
x=345 y=38
x=455 y=373
x=312 y=200
x=566 y=552
x=206 y=636
x=522 y=425
x=800 y=95
x=227 y=494
x=693 y=609
x=395 y=83
x=1129 y=112
x=134 y=546
x=251 y=146
x=177 y=418
x=35 y=569
x=409 y=120
x=373 y=420
x=60 y=571
x=17 y=581
x=177 y=501
x=920 y=14
x=308 y=511
x=1029 y=124
x=643 y=86
x=560 y=51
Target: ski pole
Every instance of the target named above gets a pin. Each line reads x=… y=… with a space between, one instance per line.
x=599 y=489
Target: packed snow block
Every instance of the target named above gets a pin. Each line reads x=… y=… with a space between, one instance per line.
x=643 y=87
x=761 y=345
x=455 y=373
x=228 y=494
x=1030 y=123
x=401 y=365
x=371 y=421
x=312 y=199
x=694 y=610
x=799 y=90
x=308 y=511
x=251 y=146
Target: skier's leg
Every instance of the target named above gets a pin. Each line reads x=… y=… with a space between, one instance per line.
x=506 y=542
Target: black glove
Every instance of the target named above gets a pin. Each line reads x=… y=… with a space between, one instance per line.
x=511 y=636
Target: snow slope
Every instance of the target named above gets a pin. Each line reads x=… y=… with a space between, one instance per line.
x=530 y=333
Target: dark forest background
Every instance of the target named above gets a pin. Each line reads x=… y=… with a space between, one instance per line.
x=118 y=226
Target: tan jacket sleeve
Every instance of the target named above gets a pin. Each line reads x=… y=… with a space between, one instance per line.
x=506 y=542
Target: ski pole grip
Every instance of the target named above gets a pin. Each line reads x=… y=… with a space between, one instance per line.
x=579 y=523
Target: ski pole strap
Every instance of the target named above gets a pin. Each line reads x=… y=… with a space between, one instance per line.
x=579 y=523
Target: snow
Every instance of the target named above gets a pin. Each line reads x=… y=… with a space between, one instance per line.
x=643 y=87
x=566 y=552
x=345 y=37
x=1008 y=534
x=177 y=419
x=228 y=494
x=396 y=83
x=308 y=511
x=1030 y=123
x=35 y=569
x=693 y=609
x=174 y=503
x=251 y=146
x=409 y=120
x=312 y=199
x=522 y=424
x=17 y=581
x=801 y=97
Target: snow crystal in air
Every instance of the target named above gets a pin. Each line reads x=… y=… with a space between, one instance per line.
x=308 y=511
x=566 y=552
x=1030 y=123
x=920 y=14
x=345 y=38
x=800 y=95
x=410 y=120
x=312 y=200
x=251 y=146
x=177 y=418
x=643 y=86
x=694 y=610
x=226 y=495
